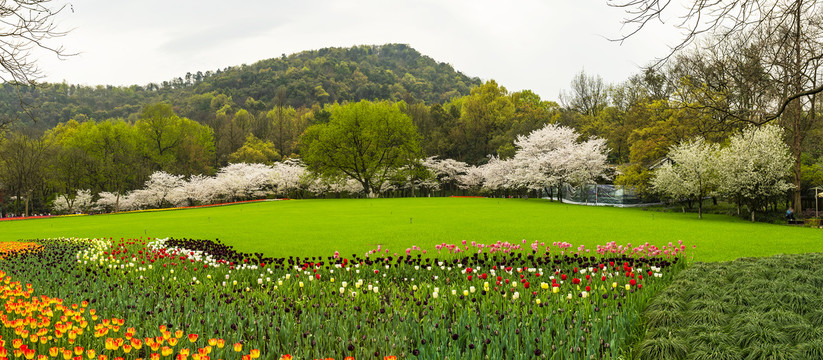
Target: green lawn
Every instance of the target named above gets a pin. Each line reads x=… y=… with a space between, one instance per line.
x=319 y=227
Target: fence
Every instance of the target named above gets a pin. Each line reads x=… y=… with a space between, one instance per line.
x=605 y=195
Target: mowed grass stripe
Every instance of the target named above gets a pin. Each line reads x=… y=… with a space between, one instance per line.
x=319 y=227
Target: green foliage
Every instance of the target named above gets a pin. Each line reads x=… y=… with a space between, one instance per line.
x=663 y=348
x=255 y=151
x=770 y=310
x=382 y=72
x=364 y=141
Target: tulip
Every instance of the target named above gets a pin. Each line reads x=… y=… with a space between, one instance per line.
x=192 y=337
x=238 y=347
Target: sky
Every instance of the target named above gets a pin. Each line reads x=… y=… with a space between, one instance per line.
x=535 y=45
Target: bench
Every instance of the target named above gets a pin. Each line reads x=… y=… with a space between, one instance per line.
x=795 y=222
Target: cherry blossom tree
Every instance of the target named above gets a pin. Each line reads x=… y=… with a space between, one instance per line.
x=692 y=173
x=79 y=202
x=446 y=171
x=755 y=167
x=473 y=178
x=551 y=156
x=160 y=189
x=244 y=180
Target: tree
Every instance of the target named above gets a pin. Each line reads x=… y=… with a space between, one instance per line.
x=21 y=167
x=755 y=166
x=160 y=129
x=364 y=141
x=691 y=174
x=68 y=203
x=588 y=94
x=551 y=156
x=255 y=151
x=783 y=40
x=483 y=115
x=28 y=28
x=282 y=126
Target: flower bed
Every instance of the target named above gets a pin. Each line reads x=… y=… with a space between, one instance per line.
x=483 y=301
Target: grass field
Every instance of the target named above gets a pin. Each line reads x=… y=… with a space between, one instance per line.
x=319 y=227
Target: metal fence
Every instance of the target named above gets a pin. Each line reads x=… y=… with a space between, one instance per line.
x=606 y=195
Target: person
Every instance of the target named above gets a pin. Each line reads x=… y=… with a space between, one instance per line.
x=790 y=214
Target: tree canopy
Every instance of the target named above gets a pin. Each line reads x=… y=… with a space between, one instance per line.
x=364 y=141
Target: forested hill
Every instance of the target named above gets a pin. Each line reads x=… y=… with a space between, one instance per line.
x=390 y=72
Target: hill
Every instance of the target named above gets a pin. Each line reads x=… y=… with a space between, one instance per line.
x=377 y=72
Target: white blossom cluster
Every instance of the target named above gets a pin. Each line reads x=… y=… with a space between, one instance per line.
x=752 y=168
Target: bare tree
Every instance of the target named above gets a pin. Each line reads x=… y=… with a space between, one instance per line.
x=588 y=94
x=26 y=27
x=770 y=45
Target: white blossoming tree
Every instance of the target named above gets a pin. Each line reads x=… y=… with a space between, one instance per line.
x=692 y=173
x=161 y=189
x=472 y=180
x=79 y=202
x=551 y=156
x=447 y=171
x=243 y=180
x=755 y=166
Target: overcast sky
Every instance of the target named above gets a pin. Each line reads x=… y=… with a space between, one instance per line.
x=537 y=45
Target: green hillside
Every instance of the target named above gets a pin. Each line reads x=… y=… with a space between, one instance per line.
x=320 y=227
x=315 y=77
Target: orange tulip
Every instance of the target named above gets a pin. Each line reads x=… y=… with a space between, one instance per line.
x=154 y=356
x=53 y=351
x=246 y=357
x=42 y=357
x=172 y=341
x=193 y=337
x=390 y=357
x=126 y=348
x=238 y=347
x=16 y=343
x=67 y=354
x=29 y=353
x=78 y=350
x=166 y=351
x=221 y=343
x=77 y=358
x=91 y=353
x=285 y=357
x=254 y=353
x=178 y=334
x=102 y=357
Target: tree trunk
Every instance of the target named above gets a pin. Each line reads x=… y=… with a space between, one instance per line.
x=700 y=208
x=798 y=112
x=752 y=211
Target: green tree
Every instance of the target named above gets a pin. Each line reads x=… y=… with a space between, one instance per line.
x=255 y=151
x=161 y=133
x=364 y=141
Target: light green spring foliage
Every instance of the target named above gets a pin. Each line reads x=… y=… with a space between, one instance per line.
x=364 y=141
x=320 y=227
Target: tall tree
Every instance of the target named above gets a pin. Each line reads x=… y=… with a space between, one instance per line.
x=364 y=141
x=22 y=160
x=588 y=94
